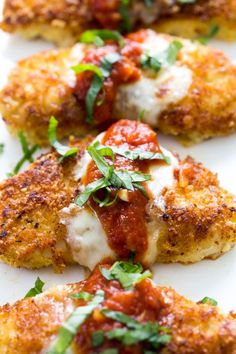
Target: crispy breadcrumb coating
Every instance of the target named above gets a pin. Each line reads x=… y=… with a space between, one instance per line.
x=195 y=218
x=44 y=85
x=63 y=21
x=31 y=325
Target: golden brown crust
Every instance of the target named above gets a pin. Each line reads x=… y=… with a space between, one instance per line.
x=42 y=85
x=30 y=325
x=31 y=235
x=196 y=222
x=62 y=21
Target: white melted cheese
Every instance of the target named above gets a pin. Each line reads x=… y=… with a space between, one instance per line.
x=86 y=236
x=154 y=95
x=162 y=178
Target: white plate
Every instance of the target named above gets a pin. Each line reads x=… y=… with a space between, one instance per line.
x=207 y=278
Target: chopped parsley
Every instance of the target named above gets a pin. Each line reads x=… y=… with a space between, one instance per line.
x=165 y=58
x=70 y=326
x=37 y=289
x=98 y=37
x=214 y=29
x=63 y=151
x=209 y=301
x=127 y=273
x=27 y=154
x=135 y=332
x=100 y=74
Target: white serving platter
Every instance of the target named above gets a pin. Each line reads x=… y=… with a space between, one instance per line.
x=207 y=278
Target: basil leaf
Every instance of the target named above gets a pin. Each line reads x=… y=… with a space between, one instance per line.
x=165 y=58
x=37 y=289
x=214 y=29
x=91 y=188
x=1 y=148
x=135 y=331
x=148 y=3
x=79 y=68
x=70 y=327
x=100 y=162
x=126 y=25
x=64 y=151
x=91 y=36
x=127 y=273
x=209 y=301
x=27 y=154
x=107 y=62
x=110 y=351
x=97 y=338
x=82 y=295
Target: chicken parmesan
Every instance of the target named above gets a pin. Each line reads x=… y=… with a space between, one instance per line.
x=63 y=21
x=117 y=310
x=180 y=87
x=121 y=194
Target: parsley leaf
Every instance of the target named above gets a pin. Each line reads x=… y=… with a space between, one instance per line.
x=70 y=326
x=127 y=273
x=209 y=301
x=136 y=332
x=37 y=289
x=214 y=29
x=165 y=58
x=27 y=154
x=98 y=37
x=64 y=151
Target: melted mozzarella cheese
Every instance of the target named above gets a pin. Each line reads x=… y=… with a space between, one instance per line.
x=162 y=178
x=86 y=237
x=154 y=95
x=85 y=234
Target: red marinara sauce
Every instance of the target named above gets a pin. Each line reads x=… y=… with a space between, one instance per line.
x=124 y=71
x=144 y=303
x=125 y=221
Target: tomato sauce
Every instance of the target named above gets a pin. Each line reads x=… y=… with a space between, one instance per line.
x=125 y=221
x=143 y=303
x=124 y=71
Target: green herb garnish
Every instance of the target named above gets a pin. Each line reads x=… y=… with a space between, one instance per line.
x=136 y=332
x=82 y=295
x=37 y=289
x=99 y=36
x=97 y=338
x=100 y=74
x=209 y=301
x=70 y=327
x=214 y=29
x=148 y=3
x=127 y=273
x=63 y=151
x=110 y=351
x=126 y=25
x=111 y=178
x=165 y=58
x=1 y=148
x=186 y=1
x=27 y=154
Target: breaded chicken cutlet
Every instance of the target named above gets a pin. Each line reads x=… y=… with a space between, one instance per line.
x=63 y=21
x=108 y=203
x=98 y=314
x=189 y=92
